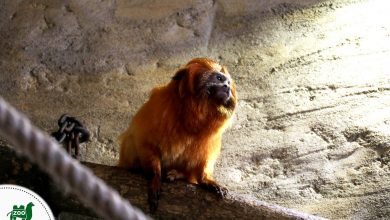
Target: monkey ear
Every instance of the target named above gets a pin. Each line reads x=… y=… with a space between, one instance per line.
x=224 y=70
x=180 y=74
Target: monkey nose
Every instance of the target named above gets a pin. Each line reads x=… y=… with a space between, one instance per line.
x=226 y=88
x=226 y=84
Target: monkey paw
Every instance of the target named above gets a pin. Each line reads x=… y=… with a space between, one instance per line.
x=220 y=190
x=216 y=188
x=174 y=175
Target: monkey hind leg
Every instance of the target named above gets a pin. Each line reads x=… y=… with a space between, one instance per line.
x=152 y=169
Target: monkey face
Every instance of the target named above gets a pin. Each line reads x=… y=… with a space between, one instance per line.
x=217 y=87
x=206 y=80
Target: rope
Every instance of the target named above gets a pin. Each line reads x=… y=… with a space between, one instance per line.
x=68 y=173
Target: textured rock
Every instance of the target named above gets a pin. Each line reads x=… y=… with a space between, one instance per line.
x=312 y=126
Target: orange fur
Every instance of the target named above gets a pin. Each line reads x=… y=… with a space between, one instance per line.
x=178 y=129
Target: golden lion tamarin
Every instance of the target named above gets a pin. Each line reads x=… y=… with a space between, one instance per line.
x=178 y=131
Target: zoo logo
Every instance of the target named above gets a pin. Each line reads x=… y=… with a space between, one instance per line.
x=20 y=203
x=25 y=214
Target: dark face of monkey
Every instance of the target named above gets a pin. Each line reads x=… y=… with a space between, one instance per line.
x=216 y=86
x=205 y=83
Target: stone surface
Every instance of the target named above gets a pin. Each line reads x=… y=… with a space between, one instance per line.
x=312 y=129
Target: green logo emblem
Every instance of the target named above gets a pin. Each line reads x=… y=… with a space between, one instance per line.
x=21 y=212
x=20 y=203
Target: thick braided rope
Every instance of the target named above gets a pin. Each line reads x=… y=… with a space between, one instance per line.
x=68 y=173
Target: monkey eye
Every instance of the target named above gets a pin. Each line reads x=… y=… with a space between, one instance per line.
x=220 y=77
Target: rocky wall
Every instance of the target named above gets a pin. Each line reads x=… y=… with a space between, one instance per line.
x=312 y=128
